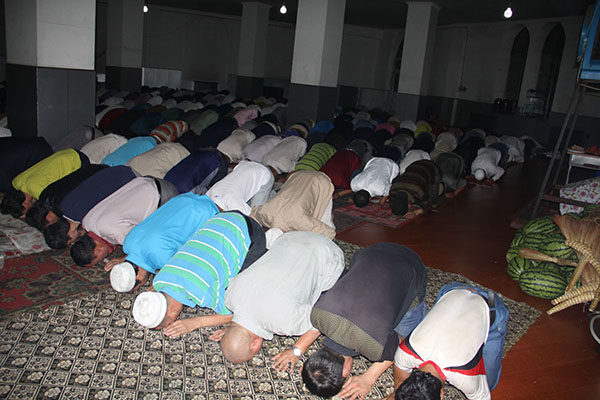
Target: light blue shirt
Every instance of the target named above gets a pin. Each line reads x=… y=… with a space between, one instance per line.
x=156 y=239
x=132 y=148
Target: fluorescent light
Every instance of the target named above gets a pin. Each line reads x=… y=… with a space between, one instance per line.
x=145 y=8
x=283 y=9
x=508 y=12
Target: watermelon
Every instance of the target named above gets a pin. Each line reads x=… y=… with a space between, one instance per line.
x=544 y=225
x=579 y=216
x=549 y=266
x=517 y=265
x=566 y=271
x=517 y=240
x=543 y=283
x=533 y=240
x=555 y=246
x=512 y=253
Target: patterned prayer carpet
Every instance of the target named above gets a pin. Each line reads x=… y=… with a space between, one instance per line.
x=22 y=238
x=40 y=280
x=346 y=214
x=376 y=213
x=92 y=348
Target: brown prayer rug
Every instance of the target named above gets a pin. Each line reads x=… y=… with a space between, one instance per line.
x=91 y=348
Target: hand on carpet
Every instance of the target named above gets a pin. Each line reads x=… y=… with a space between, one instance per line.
x=216 y=336
x=356 y=388
x=284 y=360
x=141 y=278
x=110 y=265
x=180 y=327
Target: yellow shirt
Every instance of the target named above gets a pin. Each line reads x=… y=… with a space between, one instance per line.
x=37 y=177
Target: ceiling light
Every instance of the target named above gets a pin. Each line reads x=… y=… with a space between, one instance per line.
x=283 y=9
x=508 y=12
x=145 y=8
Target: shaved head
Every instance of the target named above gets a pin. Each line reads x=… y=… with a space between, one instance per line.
x=239 y=345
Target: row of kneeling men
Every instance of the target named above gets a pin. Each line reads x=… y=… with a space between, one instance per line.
x=212 y=251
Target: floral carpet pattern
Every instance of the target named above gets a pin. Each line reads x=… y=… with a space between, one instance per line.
x=346 y=214
x=40 y=280
x=25 y=239
x=92 y=348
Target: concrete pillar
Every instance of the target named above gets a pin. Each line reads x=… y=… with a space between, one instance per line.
x=317 y=46
x=419 y=38
x=253 y=49
x=50 y=66
x=124 y=41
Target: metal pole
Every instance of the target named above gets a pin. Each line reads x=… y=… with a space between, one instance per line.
x=572 y=105
x=568 y=140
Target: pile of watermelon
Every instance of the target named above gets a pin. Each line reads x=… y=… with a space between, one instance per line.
x=540 y=278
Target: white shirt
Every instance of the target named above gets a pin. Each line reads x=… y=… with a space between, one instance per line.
x=112 y=101
x=155 y=100
x=408 y=124
x=516 y=148
x=233 y=145
x=491 y=139
x=256 y=150
x=116 y=215
x=444 y=143
x=99 y=148
x=275 y=295
x=284 y=156
x=487 y=160
x=377 y=176
x=235 y=190
x=411 y=157
x=159 y=160
x=170 y=103
x=450 y=336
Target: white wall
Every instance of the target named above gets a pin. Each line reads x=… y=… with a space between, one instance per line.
x=51 y=33
x=280 y=51
x=487 y=59
x=358 y=61
x=203 y=47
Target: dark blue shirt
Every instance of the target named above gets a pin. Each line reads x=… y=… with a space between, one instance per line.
x=18 y=154
x=93 y=190
x=55 y=193
x=202 y=167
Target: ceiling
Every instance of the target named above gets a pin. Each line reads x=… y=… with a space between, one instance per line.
x=391 y=14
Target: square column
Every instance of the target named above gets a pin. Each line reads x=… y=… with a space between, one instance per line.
x=317 y=47
x=50 y=66
x=419 y=38
x=253 y=49
x=124 y=44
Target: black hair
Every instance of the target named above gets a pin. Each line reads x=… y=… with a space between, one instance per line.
x=57 y=234
x=420 y=386
x=13 y=203
x=361 y=198
x=36 y=215
x=82 y=251
x=399 y=203
x=322 y=373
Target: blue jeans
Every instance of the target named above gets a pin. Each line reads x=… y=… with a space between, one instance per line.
x=411 y=319
x=494 y=346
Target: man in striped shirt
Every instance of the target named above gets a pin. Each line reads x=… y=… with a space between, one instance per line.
x=199 y=273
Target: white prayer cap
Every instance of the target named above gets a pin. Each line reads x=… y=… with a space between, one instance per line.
x=271 y=236
x=479 y=174
x=149 y=309
x=122 y=277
